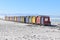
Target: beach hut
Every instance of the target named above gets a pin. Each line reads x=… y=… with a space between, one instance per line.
x=27 y=19
x=24 y=19
x=38 y=20
x=33 y=19
x=15 y=18
x=30 y=19
x=12 y=18
x=6 y=18
x=46 y=20
x=18 y=19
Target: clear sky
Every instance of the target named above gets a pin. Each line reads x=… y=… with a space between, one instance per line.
x=29 y=7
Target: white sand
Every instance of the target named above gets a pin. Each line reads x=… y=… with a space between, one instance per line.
x=20 y=31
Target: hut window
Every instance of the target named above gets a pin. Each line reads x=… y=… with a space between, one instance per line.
x=46 y=19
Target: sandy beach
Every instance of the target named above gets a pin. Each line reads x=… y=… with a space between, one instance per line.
x=20 y=31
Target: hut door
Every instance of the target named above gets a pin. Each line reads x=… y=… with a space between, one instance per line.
x=27 y=19
x=42 y=20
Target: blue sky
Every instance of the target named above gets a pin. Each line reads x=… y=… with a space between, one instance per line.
x=29 y=7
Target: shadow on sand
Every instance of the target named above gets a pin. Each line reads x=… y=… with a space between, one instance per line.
x=33 y=25
x=43 y=25
x=52 y=25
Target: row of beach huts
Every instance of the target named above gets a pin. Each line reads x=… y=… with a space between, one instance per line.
x=38 y=20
